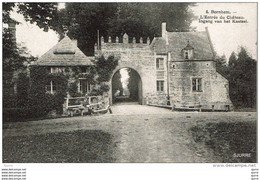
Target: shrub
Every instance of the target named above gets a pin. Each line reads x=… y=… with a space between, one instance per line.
x=73 y=89
x=22 y=90
x=105 y=67
x=41 y=103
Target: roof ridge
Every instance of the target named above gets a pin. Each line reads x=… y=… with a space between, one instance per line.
x=66 y=43
x=178 y=40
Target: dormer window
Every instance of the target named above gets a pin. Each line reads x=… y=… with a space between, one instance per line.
x=188 y=52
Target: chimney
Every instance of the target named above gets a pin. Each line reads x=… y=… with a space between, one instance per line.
x=164 y=33
x=164 y=30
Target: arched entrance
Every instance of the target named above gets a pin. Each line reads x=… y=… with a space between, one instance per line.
x=126 y=86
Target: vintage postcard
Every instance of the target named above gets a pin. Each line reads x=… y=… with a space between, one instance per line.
x=129 y=82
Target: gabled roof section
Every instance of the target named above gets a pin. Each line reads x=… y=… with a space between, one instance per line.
x=188 y=47
x=64 y=53
x=177 y=41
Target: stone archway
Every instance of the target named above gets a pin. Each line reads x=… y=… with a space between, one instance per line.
x=135 y=88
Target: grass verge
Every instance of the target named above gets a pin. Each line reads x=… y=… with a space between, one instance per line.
x=231 y=142
x=84 y=146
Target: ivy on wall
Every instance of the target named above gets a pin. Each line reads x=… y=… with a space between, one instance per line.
x=105 y=67
x=41 y=103
x=98 y=76
x=35 y=101
x=73 y=89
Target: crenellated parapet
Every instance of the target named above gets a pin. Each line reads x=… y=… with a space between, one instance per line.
x=125 y=40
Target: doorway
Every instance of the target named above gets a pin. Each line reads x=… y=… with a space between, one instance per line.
x=126 y=86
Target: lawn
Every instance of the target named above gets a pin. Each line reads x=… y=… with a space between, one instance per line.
x=231 y=142
x=84 y=146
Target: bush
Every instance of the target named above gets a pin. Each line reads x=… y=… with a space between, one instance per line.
x=105 y=67
x=41 y=103
x=227 y=139
x=16 y=114
x=73 y=89
x=242 y=79
x=22 y=89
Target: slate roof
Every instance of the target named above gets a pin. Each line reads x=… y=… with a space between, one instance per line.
x=177 y=41
x=64 y=53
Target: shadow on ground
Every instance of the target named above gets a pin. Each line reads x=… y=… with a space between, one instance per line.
x=84 y=146
x=231 y=142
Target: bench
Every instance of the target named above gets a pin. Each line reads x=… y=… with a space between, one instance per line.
x=194 y=107
x=74 y=109
x=91 y=104
x=103 y=110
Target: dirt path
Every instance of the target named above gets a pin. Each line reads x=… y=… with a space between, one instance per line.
x=150 y=140
x=131 y=108
x=139 y=137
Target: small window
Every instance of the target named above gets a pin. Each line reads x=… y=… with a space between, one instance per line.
x=51 y=87
x=49 y=69
x=54 y=88
x=227 y=107
x=186 y=55
x=80 y=86
x=83 y=69
x=88 y=87
x=84 y=86
x=196 y=85
x=57 y=70
x=188 y=51
x=48 y=87
x=159 y=63
x=160 y=86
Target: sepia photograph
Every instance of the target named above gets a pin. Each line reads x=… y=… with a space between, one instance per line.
x=129 y=82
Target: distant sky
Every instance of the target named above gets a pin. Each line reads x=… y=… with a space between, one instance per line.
x=225 y=37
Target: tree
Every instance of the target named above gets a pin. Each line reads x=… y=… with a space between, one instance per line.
x=221 y=65
x=14 y=58
x=45 y=15
x=117 y=84
x=7 y=8
x=144 y=19
x=242 y=79
x=22 y=89
x=82 y=20
x=232 y=59
x=133 y=84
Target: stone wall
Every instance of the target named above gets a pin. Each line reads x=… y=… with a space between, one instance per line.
x=137 y=56
x=215 y=92
x=142 y=58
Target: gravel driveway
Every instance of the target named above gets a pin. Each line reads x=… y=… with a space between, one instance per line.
x=141 y=133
